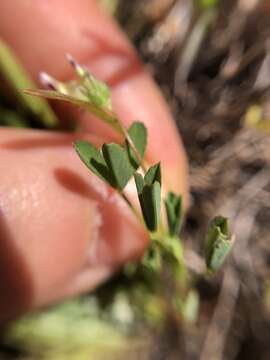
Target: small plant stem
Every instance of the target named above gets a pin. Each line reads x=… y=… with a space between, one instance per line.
x=123 y=131
x=136 y=152
x=161 y=228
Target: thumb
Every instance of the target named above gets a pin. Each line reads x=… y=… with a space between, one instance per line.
x=62 y=230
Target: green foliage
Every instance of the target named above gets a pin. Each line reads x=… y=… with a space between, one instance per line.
x=218 y=243
x=152 y=259
x=94 y=160
x=173 y=204
x=92 y=89
x=118 y=164
x=150 y=203
x=153 y=174
x=115 y=164
x=11 y=118
x=189 y=307
x=75 y=330
x=138 y=134
x=149 y=193
x=17 y=78
x=98 y=92
x=111 y=164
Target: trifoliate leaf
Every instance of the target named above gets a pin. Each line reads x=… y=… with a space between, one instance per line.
x=118 y=163
x=111 y=165
x=153 y=174
x=94 y=160
x=218 y=243
x=18 y=79
x=138 y=134
x=173 y=204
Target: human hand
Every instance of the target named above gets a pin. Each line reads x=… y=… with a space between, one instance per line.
x=62 y=231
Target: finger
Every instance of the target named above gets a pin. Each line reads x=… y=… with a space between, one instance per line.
x=43 y=32
x=62 y=230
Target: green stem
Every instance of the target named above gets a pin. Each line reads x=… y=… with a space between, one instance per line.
x=136 y=152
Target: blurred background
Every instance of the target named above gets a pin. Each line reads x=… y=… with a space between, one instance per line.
x=211 y=59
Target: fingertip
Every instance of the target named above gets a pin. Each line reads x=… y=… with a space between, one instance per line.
x=60 y=225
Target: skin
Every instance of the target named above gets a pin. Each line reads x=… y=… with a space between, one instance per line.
x=62 y=231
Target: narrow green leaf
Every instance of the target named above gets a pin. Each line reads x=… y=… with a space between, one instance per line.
x=149 y=193
x=173 y=205
x=150 y=203
x=153 y=174
x=138 y=134
x=218 y=243
x=117 y=161
x=212 y=235
x=19 y=80
x=139 y=181
x=94 y=160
